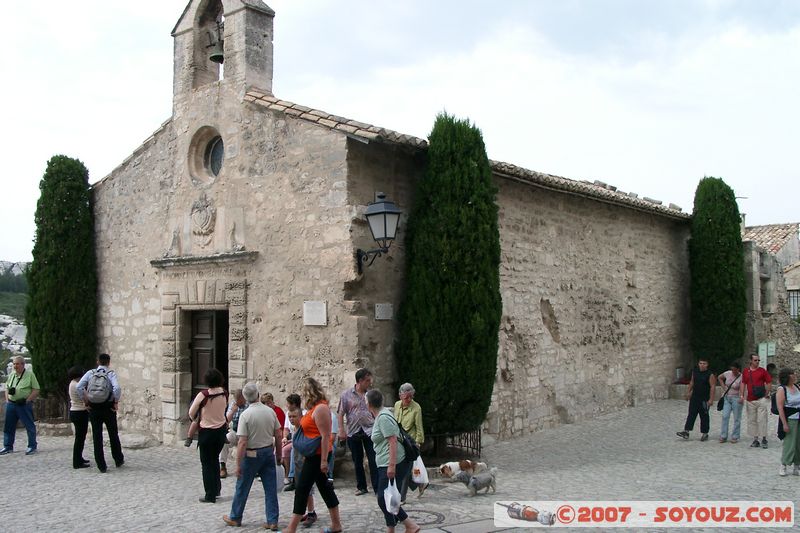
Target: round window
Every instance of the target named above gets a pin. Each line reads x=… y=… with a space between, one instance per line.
x=206 y=155
x=215 y=154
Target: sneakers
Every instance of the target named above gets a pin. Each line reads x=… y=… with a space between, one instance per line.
x=271 y=527
x=782 y=471
x=30 y=451
x=188 y=442
x=734 y=441
x=704 y=437
x=309 y=519
x=723 y=439
x=289 y=487
x=755 y=444
x=6 y=451
x=683 y=434
x=360 y=492
x=764 y=443
x=796 y=470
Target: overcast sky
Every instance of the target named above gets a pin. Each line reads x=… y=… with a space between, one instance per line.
x=649 y=96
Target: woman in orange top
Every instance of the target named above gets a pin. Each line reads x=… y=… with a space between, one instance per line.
x=315 y=423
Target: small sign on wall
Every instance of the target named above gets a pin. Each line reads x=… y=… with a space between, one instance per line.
x=315 y=313
x=384 y=311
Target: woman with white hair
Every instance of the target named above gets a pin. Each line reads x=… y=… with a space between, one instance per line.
x=408 y=414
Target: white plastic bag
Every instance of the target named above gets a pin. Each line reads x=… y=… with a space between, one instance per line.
x=418 y=472
x=391 y=496
x=279 y=477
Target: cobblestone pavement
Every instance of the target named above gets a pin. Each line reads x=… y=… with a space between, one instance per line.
x=629 y=455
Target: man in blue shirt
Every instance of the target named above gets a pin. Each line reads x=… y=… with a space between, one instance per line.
x=101 y=392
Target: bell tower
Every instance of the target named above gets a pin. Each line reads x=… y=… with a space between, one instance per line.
x=222 y=41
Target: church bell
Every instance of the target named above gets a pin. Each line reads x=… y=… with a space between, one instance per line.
x=216 y=55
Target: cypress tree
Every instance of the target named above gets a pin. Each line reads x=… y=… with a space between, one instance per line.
x=450 y=315
x=716 y=262
x=62 y=279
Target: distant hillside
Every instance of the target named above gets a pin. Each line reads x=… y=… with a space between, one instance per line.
x=16 y=269
x=12 y=277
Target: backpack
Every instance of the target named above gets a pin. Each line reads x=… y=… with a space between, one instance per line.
x=206 y=397
x=774 y=407
x=99 y=389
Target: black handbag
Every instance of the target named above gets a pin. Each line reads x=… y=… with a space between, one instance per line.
x=721 y=402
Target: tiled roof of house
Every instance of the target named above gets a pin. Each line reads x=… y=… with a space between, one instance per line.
x=771 y=237
x=596 y=190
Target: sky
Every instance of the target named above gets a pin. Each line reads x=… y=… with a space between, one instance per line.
x=645 y=95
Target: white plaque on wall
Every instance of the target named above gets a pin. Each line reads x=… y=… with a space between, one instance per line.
x=315 y=314
x=383 y=311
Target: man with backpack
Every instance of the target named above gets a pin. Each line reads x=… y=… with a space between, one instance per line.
x=101 y=392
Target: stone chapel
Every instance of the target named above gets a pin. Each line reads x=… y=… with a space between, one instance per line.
x=228 y=239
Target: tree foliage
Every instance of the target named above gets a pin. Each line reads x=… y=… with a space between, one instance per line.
x=62 y=279
x=10 y=282
x=716 y=261
x=450 y=315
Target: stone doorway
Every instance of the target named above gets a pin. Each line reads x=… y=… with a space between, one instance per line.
x=208 y=347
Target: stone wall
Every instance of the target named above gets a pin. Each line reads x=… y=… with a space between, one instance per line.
x=768 y=318
x=595 y=308
x=393 y=170
x=595 y=298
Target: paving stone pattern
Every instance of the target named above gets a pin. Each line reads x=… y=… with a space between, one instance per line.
x=628 y=455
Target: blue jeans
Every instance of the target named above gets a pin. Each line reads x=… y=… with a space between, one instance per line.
x=15 y=413
x=359 y=443
x=731 y=405
x=262 y=464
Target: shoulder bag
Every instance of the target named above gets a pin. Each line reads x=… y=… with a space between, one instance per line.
x=305 y=446
x=409 y=445
x=721 y=402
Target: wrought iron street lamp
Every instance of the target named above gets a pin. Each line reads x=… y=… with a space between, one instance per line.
x=383 y=217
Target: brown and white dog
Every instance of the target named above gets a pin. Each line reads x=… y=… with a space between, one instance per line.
x=451 y=469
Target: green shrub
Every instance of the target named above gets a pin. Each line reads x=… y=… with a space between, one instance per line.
x=450 y=315
x=716 y=261
x=62 y=279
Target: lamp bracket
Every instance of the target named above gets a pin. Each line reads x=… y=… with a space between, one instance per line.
x=362 y=256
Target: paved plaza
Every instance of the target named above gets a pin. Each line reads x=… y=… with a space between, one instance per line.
x=629 y=455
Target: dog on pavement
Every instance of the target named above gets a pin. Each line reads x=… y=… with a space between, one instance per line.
x=484 y=480
x=451 y=469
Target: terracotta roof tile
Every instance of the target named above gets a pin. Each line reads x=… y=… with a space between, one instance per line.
x=771 y=237
x=597 y=191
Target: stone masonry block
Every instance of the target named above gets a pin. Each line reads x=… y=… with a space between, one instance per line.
x=169 y=411
x=168 y=395
x=168 y=349
x=168 y=364
x=191 y=296
x=168 y=318
x=168 y=333
x=168 y=379
x=210 y=293
x=169 y=300
x=201 y=291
